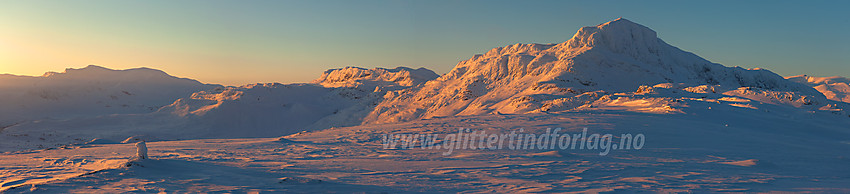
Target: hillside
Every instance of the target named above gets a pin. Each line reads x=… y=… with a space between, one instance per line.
x=598 y=61
x=89 y=91
x=254 y=110
x=835 y=88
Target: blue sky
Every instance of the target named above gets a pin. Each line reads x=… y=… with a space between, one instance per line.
x=241 y=42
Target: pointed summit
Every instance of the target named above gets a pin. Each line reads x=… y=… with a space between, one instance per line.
x=620 y=36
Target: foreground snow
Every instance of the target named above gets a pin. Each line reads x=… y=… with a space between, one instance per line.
x=711 y=150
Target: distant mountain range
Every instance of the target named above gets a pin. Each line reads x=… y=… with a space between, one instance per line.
x=90 y=91
x=618 y=65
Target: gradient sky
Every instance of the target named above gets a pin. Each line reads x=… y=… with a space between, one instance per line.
x=241 y=42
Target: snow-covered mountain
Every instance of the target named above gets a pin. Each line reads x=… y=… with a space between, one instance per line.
x=613 y=57
x=835 y=88
x=263 y=110
x=340 y=97
x=89 y=91
x=704 y=127
x=382 y=78
x=615 y=66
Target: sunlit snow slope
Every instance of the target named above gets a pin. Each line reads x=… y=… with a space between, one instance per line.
x=835 y=88
x=617 y=56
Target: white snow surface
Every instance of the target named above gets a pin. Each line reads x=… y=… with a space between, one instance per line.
x=722 y=149
x=89 y=91
x=616 y=56
x=835 y=88
x=708 y=127
x=255 y=110
x=381 y=78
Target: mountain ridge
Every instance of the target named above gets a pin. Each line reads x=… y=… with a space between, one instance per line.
x=616 y=56
x=614 y=66
x=90 y=91
x=835 y=88
x=377 y=77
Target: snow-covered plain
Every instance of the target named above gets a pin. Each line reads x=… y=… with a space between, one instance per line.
x=707 y=128
x=726 y=148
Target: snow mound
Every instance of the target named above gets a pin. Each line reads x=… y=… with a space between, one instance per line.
x=100 y=141
x=298 y=180
x=750 y=162
x=139 y=138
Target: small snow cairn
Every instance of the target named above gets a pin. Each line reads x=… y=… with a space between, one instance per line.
x=141 y=150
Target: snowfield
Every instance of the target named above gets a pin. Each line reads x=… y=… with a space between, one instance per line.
x=725 y=148
x=704 y=127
